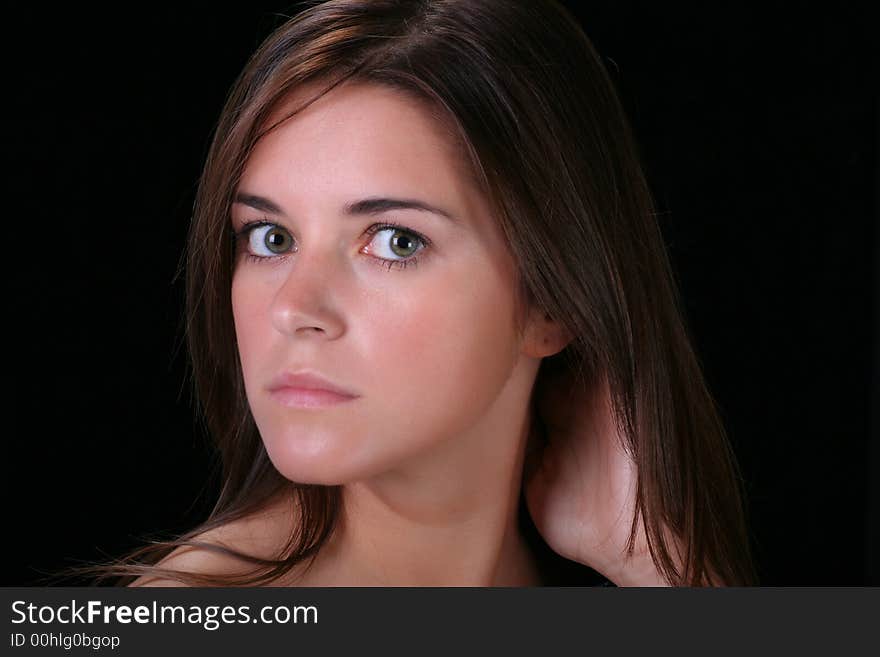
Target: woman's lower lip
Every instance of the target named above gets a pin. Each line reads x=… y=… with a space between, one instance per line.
x=304 y=398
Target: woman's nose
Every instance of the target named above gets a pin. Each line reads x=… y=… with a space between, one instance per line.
x=304 y=303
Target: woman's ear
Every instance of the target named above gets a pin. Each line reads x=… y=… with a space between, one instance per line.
x=543 y=335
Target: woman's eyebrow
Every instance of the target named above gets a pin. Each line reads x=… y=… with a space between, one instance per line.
x=367 y=206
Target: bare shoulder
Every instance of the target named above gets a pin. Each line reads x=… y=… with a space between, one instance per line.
x=189 y=559
x=260 y=534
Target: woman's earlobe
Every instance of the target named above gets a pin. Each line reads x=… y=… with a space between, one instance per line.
x=545 y=336
x=557 y=338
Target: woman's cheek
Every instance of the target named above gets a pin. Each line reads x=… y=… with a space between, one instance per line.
x=455 y=356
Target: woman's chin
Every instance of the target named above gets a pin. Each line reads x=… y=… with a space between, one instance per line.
x=305 y=463
x=311 y=470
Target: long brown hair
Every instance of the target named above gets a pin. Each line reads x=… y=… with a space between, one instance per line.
x=543 y=130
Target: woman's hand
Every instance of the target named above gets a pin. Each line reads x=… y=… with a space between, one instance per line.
x=580 y=486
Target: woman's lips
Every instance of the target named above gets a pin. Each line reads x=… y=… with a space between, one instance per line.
x=308 y=380
x=307 y=389
x=307 y=398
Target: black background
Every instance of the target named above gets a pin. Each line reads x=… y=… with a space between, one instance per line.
x=760 y=137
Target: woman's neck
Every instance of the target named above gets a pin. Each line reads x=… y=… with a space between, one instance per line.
x=374 y=547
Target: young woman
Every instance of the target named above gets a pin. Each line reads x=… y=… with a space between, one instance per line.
x=430 y=311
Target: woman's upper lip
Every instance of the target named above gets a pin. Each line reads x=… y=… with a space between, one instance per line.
x=307 y=381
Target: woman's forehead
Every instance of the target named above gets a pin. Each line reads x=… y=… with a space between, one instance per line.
x=358 y=134
x=370 y=110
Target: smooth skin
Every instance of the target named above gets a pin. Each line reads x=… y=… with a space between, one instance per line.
x=431 y=453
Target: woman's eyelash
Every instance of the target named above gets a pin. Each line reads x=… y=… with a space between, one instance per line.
x=243 y=235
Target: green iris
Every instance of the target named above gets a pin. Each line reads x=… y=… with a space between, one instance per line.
x=401 y=236
x=276 y=240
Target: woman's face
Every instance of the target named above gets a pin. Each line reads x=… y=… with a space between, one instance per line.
x=421 y=331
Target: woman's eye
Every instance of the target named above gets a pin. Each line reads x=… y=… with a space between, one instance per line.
x=396 y=244
x=392 y=245
x=269 y=240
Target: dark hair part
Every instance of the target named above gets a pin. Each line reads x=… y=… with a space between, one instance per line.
x=546 y=138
